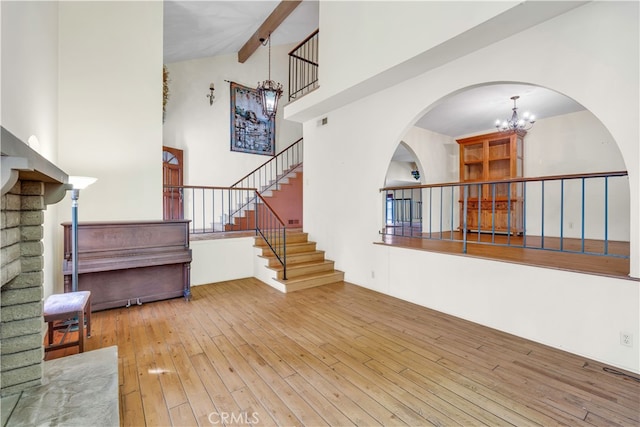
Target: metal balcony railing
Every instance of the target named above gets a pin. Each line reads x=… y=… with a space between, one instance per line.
x=303 y=67
x=581 y=213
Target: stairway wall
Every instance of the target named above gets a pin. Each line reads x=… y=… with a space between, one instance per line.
x=287 y=201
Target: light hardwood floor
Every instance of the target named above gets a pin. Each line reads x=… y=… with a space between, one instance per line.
x=342 y=355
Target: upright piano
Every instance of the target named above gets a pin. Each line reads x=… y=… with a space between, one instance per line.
x=129 y=262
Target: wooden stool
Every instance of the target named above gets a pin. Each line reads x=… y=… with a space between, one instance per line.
x=74 y=306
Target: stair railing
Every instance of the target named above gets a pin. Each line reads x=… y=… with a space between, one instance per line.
x=266 y=176
x=208 y=208
x=303 y=67
x=273 y=230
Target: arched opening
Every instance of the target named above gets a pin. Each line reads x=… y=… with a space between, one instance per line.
x=404 y=167
x=572 y=194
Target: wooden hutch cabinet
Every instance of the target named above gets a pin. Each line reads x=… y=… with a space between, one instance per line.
x=492 y=207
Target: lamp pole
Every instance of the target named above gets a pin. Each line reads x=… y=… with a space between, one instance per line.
x=77 y=183
x=75 y=194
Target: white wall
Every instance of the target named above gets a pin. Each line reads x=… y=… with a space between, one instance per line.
x=221 y=259
x=368 y=51
x=573 y=54
x=437 y=154
x=571 y=144
x=203 y=131
x=110 y=106
x=30 y=94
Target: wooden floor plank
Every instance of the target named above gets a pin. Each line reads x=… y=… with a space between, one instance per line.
x=243 y=353
x=265 y=395
x=182 y=415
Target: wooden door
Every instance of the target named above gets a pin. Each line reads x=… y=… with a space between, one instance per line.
x=172 y=200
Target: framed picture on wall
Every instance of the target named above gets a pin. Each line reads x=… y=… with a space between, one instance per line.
x=251 y=131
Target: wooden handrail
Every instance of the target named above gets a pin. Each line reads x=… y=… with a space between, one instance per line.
x=304 y=41
x=211 y=188
x=264 y=164
x=271 y=209
x=511 y=180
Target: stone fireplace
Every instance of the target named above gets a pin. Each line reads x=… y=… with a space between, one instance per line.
x=81 y=389
x=29 y=184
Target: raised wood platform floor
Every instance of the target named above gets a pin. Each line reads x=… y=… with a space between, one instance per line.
x=528 y=252
x=343 y=355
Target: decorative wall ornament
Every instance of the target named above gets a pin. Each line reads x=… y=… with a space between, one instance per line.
x=165 y=90
x=251 y=130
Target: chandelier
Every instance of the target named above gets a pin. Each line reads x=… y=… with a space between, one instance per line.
x=268 y=92
x=516 y=123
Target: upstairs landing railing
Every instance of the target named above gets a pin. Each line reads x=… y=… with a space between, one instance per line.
x=303 y=67
x=581 y=213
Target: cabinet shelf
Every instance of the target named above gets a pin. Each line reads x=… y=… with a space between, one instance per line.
x=492 y=157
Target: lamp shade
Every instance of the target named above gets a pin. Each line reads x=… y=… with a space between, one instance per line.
x=81 y=182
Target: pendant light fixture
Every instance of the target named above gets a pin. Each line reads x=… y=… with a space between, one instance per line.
x=516 y=123
x=269 y=92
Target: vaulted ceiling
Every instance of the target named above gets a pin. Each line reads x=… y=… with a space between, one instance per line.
x=196 y=29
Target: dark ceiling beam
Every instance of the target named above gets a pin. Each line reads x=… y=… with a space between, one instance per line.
x=270 y=24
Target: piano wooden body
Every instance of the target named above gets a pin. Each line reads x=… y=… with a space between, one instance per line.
x=124 y=263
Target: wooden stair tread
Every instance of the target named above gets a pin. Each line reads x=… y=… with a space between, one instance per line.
x=289 y=245
x=292 y=238
x=296 y=258
x=302 y=265
x=312 y=280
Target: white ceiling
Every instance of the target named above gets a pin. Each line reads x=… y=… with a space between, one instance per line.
x=477 y=109
x=196 y=29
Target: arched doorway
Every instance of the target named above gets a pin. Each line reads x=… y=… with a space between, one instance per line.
x=172 y=172
x=565 y=141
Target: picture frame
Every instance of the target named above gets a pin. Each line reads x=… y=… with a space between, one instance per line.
x=251 y=131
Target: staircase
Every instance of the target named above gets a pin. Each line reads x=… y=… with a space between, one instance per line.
x=306 y=266
x=285 y=196
x=279 y=183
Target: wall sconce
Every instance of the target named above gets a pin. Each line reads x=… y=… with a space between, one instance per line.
x=415 y=172
x=210 y=96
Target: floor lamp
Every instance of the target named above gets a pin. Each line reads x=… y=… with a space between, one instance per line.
x=78 y=183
